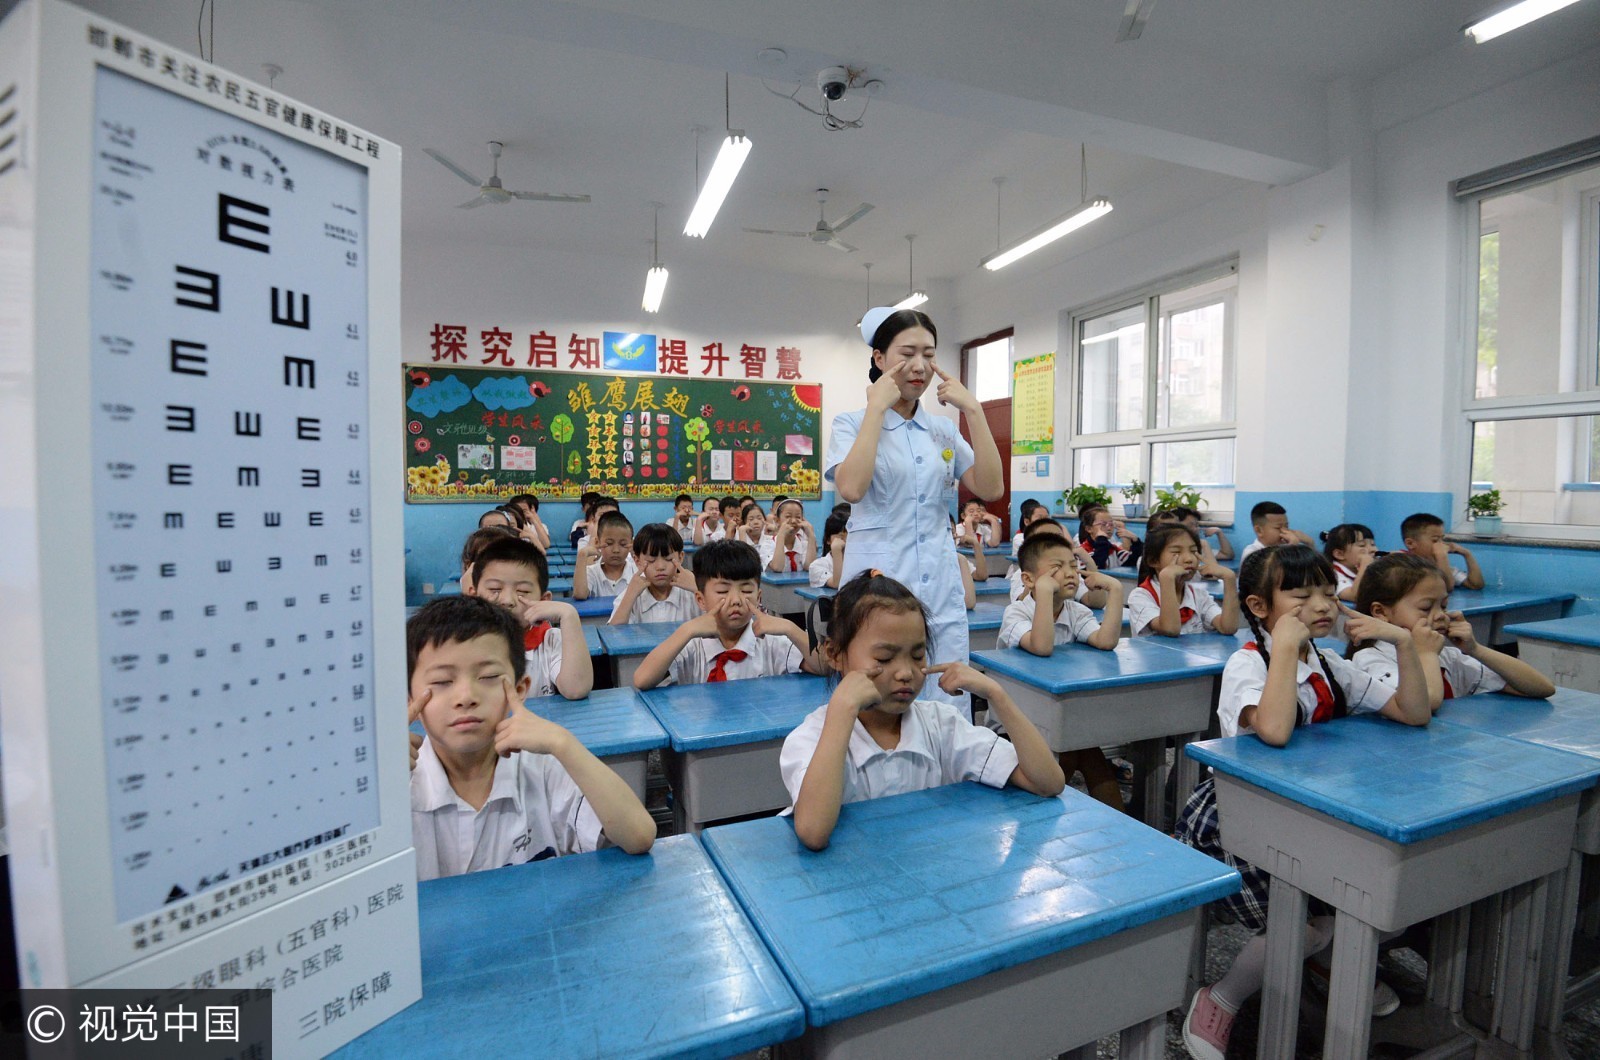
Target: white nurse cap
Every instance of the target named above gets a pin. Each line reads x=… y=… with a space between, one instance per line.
x=873 y=319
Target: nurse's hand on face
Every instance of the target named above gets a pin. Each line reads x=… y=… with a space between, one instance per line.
x=885 y=390
x=952 y=393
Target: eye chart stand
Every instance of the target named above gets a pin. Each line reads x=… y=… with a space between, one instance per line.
x=202 y=571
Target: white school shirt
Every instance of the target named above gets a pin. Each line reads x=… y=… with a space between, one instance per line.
x=534 y=811
x=711 y=535
x=679 y=606
x=821 y=570
x=1248 y=550
x=1019 y=591
x=1074 y=623
x=544 y=663
x=684 y=527
x=986 y=531
x=1144 y=607
x=1016 y=545
x=1245 y=676
x=1466 y=675
x=765 y=656
x=769 y=546
x=1343 y=577
x=600 y=585
x=938 y=746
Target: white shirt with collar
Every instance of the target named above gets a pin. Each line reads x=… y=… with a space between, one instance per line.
x=1144 y=607
x=1019 y=591
x=1245 y=677
x=769 y=546
x=821 y=570
x=544 y=663
x=765 y=656
x=938 y=746
x=1467 y=676
x=1250 y=549
x=534 y=811
x=1074 y=623
x=600 y=585
x=679 y=606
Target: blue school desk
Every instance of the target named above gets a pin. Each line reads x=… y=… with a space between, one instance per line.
x=1141 y=693
x=613 y=723
x=983 y=624
x=809 y=594
x=560 y=587
x=595 y=611
x=966 y=921
x=597 y=955
x=779 y=591
x=1491 y=610
x=725 y=742
x=628 y=645
x=1568 y=721
x=1392 y=825
x=1567 y=649
x=591 y=640
x=992 y=587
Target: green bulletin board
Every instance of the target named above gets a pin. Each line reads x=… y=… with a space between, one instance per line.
x=474 y=434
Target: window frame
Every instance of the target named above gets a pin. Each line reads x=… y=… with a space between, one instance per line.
x=968 y=367
x=1148 y=435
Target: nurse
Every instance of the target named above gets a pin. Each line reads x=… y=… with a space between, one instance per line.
x=898 y=465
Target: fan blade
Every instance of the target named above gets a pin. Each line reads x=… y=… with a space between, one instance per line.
x=772 y=232
x=856 y=215
x=479 y=201
x=1134 y=16
x=548 y=196
x=452 y=167
x=839 y=244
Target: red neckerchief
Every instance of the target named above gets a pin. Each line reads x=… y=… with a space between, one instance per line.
x=793 y=565
x=719 y=664
x=534 y=637
x=1149 y=586
x=1323 y=711
x=1444 y=675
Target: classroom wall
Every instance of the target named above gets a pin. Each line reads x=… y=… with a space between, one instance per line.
x=522 y=289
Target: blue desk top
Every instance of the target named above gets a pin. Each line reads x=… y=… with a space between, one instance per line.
x=986 y=614
x=595 y=605
x=826 y=592
x=612 y=721
x=1583 y=630
x=591 y=638
x=1215 y=646
x=636 y=639
x=594 y=955
x=560 y=587
x=769 y=577
x=701 y=717
x=1568 y=720
x=992 y=587
x=1080 y=668
x=1402 y=783
x=1488 y=601
x=921 y=891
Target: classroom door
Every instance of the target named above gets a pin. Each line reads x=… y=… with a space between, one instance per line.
x=998 y=414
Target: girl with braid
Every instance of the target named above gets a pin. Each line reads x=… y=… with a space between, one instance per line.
x=1274 y=684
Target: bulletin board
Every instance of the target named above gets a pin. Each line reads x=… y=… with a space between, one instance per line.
x=478 y=435
x=1033 y=404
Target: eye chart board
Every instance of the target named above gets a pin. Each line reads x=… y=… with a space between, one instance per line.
x=203 y=669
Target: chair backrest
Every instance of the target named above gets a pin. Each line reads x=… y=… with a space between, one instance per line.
x=818 y=615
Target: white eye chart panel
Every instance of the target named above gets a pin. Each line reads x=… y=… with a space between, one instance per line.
x=204 y=684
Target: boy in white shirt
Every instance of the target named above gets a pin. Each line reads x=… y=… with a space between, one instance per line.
x=734 y=639
x=494 y=784
x=1085 y=594
x=977 y=522
x=653 y=594
x=1271 y=524
x=606 y=567
x=515 y=575
x=793 y=546
x=708 y=526
x=1423 y=535
x=682 y=515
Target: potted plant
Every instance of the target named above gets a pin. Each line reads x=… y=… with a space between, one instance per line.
x=1178 y=495
x=1133 y=500
x=1084 y=496
x=1484 y=508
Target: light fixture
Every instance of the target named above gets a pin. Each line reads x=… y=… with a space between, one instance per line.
x=735 y=149
x=655 y=281
x=1085 y=212
x=916 y=297
x=1514 y=17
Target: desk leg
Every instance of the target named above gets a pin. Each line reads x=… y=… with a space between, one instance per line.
x=1522 y=921
x=1153 y=783
x=1483 y=926
x=1280 y=987
x=1447 y=962
x=1560 y=922
x=1145 y=1041
x=1355 y=964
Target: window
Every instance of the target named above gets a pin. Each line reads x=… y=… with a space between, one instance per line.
x=1155 y=388
x=986 y=366
x=1532 y=399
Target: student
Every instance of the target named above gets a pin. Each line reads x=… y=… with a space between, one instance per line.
x=605 y=568
x=1167 y=600
x=1423 y=535
x=682 y=515
x=501 y=516
x=494 y=784
x=752 y=526
x=1191 y=518
x=513 y=574
x=1349 y=548
x=977 y=522
x=652 y=594
x=1048 y=616
x=580 y=525
x=874 y=737
x=526 y=505
x=824 y=570
x=1107 y=540
x=1270 y=687
x=476 y=542
x=1030 y=510
x=708 y=526
x=1409 y=591
x=733 y=639
x=1271 y=524
x=597 y=509
x=1087 y=595
x=793 y=546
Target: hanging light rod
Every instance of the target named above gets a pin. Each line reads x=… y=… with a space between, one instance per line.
x=1514 y=17
x=655 y=281
x=916 y=297
x=730 y=159
x=1086 y=211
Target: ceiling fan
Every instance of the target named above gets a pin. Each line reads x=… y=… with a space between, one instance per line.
x=1134 y=16
x=492 y=190
x=825 y=233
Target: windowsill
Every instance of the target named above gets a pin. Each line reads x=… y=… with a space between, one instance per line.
x=1534 y=542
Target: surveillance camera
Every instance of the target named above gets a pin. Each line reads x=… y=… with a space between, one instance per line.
x=833 y=82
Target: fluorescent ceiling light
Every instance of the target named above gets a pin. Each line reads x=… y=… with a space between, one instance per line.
x=723 y=173
x=912 y=300
x=655 y=285
x=1514 y=17
x=1073 y=221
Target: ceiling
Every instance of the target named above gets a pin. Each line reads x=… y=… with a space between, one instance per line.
x=591 y=96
